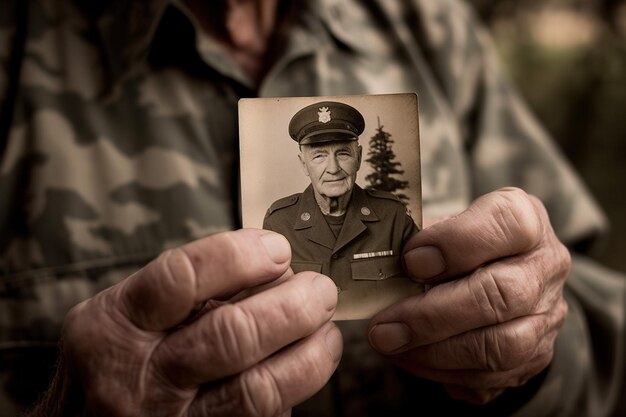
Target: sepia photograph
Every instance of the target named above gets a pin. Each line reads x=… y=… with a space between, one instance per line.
x=339 y=177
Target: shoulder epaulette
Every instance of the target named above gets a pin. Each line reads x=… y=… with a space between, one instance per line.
x=382 y=194
x=283 y=202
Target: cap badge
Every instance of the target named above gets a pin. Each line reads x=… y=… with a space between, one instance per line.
x=324 y=115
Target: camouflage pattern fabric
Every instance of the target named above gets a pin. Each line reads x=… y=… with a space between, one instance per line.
x=118 y=139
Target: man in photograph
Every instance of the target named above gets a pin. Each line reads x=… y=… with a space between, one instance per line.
x=335 y=227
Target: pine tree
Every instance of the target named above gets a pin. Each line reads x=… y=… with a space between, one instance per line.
x=382 y=159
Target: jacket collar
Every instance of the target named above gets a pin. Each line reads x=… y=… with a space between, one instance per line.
x=127 y=30
x=360 y=211
x=361 y=207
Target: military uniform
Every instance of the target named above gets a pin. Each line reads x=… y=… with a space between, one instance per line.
x=360 y=250
x=363 y=259
x=118 y=139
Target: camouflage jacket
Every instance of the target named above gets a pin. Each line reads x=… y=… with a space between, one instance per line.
x=118 y=138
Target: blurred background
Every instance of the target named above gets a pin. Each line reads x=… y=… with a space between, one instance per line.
x=568 y=58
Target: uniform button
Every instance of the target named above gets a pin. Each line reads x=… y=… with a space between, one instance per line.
x=365 y=211
x=305 y=216
x=381 y=275
x=335 y=256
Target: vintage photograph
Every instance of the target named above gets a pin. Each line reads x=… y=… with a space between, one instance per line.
x=339 y=177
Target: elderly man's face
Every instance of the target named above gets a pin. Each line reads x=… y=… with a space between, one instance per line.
x=331 y=166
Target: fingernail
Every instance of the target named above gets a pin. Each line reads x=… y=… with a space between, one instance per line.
x=327 y=291
x=334 y=343
x=277 y=247
x=389 y=337
x=425 y=262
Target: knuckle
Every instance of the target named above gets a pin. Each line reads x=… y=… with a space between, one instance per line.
x=81 y=337
x=232 y=251
x=542 y=214
x=504 y=291
x=178 y=270
x=164 y=369
x=302 y=309
x=222 y=399
x=523 y=290
x=315 y=367
x=563 y=259
x=562 y=310
x=74 y=317
x=237 y=252
x=168 y=282
x=488 y=294
x=94 y=348
x=234 y=334
x=551 y=268
x=76 y=325
x=491 y=354
x=507 y=349
x=260 y=393
x=516 y=218
x=474 y=347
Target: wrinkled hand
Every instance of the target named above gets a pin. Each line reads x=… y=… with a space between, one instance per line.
x=491 y=321
x=133 y=350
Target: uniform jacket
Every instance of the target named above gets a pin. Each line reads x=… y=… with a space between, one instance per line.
x=364 y=258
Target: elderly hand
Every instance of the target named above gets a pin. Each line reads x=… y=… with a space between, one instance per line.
x=138 y=348
x=492 y=316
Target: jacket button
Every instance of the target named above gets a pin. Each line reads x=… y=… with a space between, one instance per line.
x=335 y=256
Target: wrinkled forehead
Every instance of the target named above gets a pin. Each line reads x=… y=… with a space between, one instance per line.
x=330 y=146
